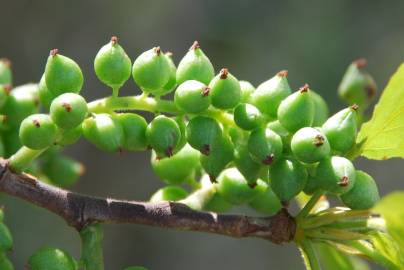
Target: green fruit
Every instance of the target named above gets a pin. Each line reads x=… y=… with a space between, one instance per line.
x=265 y=146
x=364 y=194
x=180 y=119
x=287 y=179
x=335 y=175
x=112 y=65
x=12 y=143
x=4 y=93
x=6 y=76
x=169 y=193
x=195 y=66
x=172 y=81
x=192 y=97
x=45 y=96
x=63 y=171
x=312 y=185
x=246 y=91
x=247 y=116
x=225 y=90
x=321 y=111
x=297 y=110
x=70 y=136
x=357 y=86
x=221 y=153
x=6 y=239
x=177 y=169
x=62 y=74
x=201 y=132
x=104 y=131
x=234 y=187
x=151 y=70
x=266 y=201
x=341 y=129
x=21 y=103
x=269 y=94
x=5 y=263
x=48 y=258
x=285 y=135
x=163 y=135
x=134 y=128
x=246 y=164
x=310 y=145
x=216 y=203
x=37 y=131
x=68 y=110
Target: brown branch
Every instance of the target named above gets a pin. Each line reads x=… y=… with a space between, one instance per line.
x=79 y=210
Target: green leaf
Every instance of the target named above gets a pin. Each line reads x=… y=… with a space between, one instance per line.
x=390 y=207
x=382 y=136
x=388 y=248
x=333 y=259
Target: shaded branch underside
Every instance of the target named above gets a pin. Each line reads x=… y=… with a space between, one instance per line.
x=79 y=210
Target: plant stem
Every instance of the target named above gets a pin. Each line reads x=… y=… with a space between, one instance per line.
x=309 y=205
x=91 y=250
x=23 y=158
x=309 y=255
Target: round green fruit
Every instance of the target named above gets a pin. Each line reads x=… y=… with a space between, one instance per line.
x=247 y=116
x=63 y=171
x=335 y=175
x=364 y=194
x=68 y=110
x=285 y=135
x=321 y=111
x=269 y=94
x=216 y=202
x=287 y=179
x=22 y=102
x=134 y=127
x=246 y=91
x=70 y=136
x=201 y=132
x=151 y=70
x=192 y=97
x=179 y=168
x=163 y=134
x=104 y=131
x=48 y=258
x=266 y=201
x=225 y=90
x=45 y=96
x=265 y=146
x=172 y=81
x=221 y=153
x=195 y=66
x=6 y=239
x=297 y=110
x=341 y=129
x=112 y=65
x=234 y=187
x=310 y=145
x=62 y=74
x=37 y=131
x=247 y=166
x=169 y=193
x=5 y=263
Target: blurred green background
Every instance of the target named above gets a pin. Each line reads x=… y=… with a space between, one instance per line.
x=314 y=40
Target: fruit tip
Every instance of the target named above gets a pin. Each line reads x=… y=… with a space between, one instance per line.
x=318 y=140
x=355 y=107
x=195 y=45
x=36 y=123
x=344 y=181
x=205 y=149
x=6 y=62
x=212 y=179
x=224 y=72
x=283 y=73
x=269 y=159
x=114 y=40
x=53 y=52
x=205 y=91
x=169 y=151
x=67 y=106
x=157 y=50
x=361 y=62
x=252 y=185
x=7 y=88
x=304 y=88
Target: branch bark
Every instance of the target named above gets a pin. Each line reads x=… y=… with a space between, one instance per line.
x=79 y=210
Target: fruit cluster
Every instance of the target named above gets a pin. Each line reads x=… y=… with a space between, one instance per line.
x=260 y=147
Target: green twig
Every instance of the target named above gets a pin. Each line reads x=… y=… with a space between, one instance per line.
x=91 y=249
x=309 y=255
x=309 y=205
x=23 y=158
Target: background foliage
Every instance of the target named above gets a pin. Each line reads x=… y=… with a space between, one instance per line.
x=314 y=40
